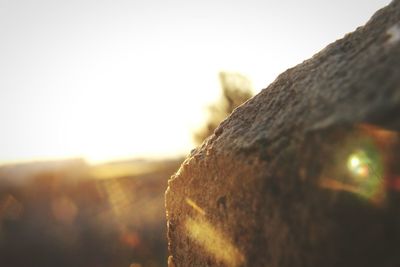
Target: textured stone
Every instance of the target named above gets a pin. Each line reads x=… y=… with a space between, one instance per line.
x=281 y=182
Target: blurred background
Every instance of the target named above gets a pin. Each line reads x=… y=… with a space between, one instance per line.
x=101 y=100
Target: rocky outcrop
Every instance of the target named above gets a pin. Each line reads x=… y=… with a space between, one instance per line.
x=305 y=173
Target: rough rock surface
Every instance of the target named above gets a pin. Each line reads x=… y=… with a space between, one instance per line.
x=283 y=181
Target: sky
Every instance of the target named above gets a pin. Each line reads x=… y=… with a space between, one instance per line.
x=107 y=80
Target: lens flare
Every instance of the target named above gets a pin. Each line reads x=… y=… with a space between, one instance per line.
x=365 y=167
x=359 y=165
x=364 y=163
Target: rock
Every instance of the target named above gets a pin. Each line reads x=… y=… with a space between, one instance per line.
x=304 y=173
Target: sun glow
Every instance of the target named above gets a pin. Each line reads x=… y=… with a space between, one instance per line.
x=107 y=81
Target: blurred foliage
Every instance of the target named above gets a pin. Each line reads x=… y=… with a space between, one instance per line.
x=236 y=89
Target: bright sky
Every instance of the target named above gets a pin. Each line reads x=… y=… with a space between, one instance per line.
x=108 y=79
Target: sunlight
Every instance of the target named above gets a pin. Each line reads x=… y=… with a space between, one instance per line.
x=113 y=83
x=118 y=198
x=101 y=102
x=210 y=239
x=192 y=204
x=214 y=242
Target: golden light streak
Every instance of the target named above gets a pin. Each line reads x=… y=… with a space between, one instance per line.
x=213 y=242
x=195 y=206
x=117 y=197
x=380 y=135
x=338 y=186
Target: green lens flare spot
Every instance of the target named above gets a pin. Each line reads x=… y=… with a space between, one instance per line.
x=366 y=169
x=359 y=165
